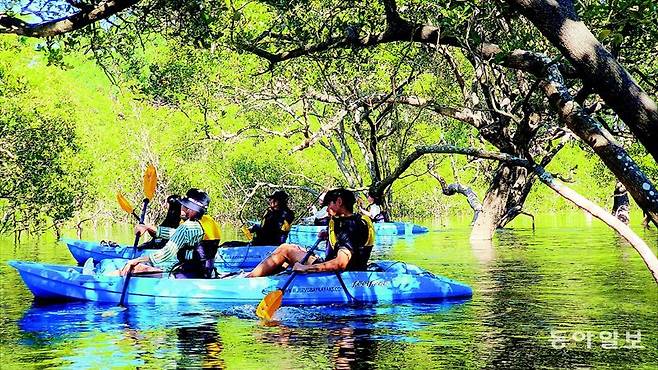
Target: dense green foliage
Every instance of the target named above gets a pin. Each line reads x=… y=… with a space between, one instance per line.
x=43 y=175
x=96 y=138
x=177 y=84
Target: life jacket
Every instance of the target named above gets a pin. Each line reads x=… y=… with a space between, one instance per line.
x=274 y=227
x=382 y=216
x=198 y=261
x=360 y=254
x=371 y=231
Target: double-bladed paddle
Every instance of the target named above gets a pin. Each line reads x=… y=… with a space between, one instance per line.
x=272 y=301
x=150 y=182
x=126 y=206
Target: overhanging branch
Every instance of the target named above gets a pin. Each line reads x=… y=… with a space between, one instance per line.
x=84 y=17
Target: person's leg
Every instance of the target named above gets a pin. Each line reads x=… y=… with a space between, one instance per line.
x=140 y=267
x=285 y=253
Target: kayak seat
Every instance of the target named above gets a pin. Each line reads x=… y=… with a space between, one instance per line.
x=397 y=267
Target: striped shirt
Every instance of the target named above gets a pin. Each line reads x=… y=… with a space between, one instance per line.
x=163 y=232
x=187 y=234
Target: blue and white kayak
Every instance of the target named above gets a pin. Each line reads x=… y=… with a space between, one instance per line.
x=381 y=229
x=407 y=228
x=390 y=282
x=242 y=257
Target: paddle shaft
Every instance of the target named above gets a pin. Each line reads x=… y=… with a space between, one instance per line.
x=141 y=222
x=347 y=292
x=124 y=289
x=303 y=261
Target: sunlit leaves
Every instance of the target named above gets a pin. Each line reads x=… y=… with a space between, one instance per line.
x=42 y=177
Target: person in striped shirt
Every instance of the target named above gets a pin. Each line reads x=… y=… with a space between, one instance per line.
x=161 y=234
x=187 y=235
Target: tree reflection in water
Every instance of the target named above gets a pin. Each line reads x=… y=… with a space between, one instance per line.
x=201 y=346
x=346 y=347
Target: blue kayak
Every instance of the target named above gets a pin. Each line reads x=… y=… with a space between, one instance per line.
x=389 y=281
x=381 y=229
x=242 y=257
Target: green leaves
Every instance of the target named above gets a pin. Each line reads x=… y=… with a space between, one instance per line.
x=43 y=179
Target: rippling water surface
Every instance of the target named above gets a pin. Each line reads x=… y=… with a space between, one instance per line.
x=556 y=297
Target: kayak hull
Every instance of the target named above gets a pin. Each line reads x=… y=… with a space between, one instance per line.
x=399 y=282
x=231 y=258
x=381 y=229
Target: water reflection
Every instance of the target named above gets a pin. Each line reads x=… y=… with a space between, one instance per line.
x=351 y=336
x=483 y=250
x=566 y=276
x=200 y=346
x=190 y=338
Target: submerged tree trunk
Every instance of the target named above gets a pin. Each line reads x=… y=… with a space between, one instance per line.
x=506 y=193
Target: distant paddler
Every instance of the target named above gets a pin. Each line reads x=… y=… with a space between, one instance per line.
x=373 y=209
x=276 y=222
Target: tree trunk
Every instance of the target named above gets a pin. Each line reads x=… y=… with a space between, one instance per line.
x=505 y=193
x=559 y=23
x=626 y=232
x=602 y=143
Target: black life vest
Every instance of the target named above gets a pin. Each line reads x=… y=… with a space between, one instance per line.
x=359 y=231
x=198 y=261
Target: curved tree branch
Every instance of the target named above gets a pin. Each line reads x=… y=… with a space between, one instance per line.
x=84 y=17
x=558 y=22
x=545 y=177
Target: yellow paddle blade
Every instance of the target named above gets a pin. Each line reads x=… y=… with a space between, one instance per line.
x=123 y=202
x=150 y=181
x=268 y=306
x=247 y=233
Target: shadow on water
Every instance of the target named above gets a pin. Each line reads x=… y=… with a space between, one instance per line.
x=541 y=290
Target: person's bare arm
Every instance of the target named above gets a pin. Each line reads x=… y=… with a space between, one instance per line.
x=337 y=264
x=141 y=229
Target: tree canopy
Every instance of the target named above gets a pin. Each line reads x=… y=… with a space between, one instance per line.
x=380 y=85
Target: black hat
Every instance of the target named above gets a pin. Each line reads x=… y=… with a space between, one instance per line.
x=346 y=195
x=196 y=200
x=279 y=195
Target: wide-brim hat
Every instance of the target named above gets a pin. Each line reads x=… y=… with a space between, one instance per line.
x=196 y=200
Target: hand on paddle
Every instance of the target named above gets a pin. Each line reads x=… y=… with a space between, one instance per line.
x=128 y=267
x=141 y=229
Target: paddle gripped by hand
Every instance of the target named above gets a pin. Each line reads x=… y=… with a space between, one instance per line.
x=272 y=301
x=150 y=182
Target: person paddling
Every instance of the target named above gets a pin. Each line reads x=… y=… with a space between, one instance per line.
x=187 y=237
x=621 y=206
x=351 y=237
x=373 y=209
x=274 y=228
x=161 y=234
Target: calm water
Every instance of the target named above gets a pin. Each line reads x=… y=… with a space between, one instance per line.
x=570 y=281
